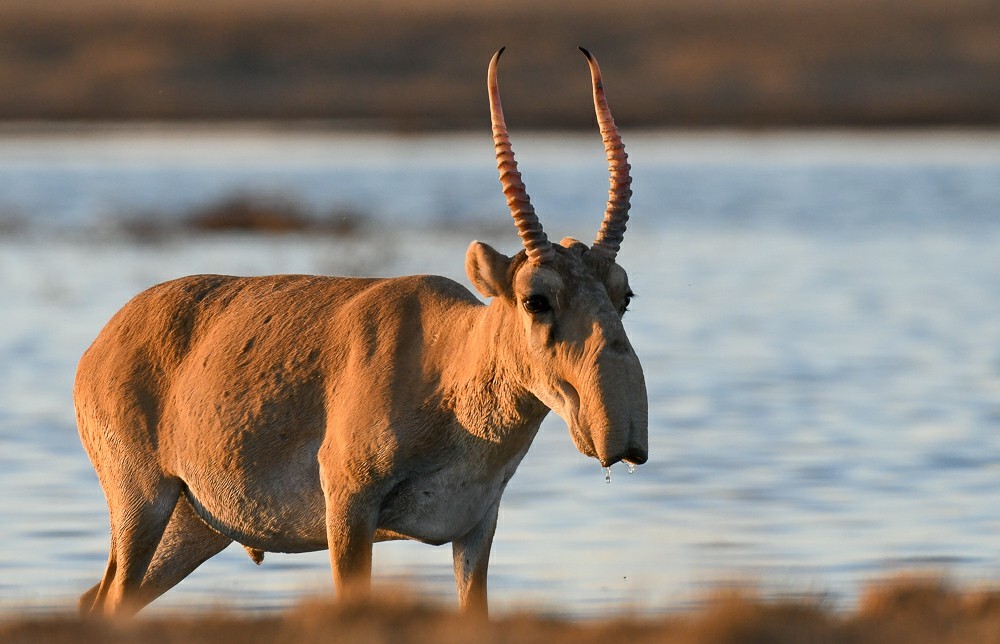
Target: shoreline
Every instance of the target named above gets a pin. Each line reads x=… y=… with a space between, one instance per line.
x=735 y=63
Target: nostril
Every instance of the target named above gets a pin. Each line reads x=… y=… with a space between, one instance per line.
x=637 y=455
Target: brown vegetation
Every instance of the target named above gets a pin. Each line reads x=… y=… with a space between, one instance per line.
x=910 y=611
x=242 y=213
x=410 y=64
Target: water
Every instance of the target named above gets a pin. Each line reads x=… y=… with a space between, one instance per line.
x=818 y=320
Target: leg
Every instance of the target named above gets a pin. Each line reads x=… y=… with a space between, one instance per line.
x=86 y=604
x=350 y=529
x=139 y=518
x=471 y=553
x=187 y=543
x=92 y=601
x=352 y=499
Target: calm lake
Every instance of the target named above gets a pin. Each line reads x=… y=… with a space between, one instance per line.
x=818 y=320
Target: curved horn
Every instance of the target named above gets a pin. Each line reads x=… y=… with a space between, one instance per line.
x=609 y=238
x=535 y=242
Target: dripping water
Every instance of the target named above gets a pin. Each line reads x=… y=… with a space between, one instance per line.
x=607 y=474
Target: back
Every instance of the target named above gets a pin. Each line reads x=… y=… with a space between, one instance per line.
x=182 y=349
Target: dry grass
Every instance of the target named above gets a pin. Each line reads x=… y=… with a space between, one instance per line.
x=243 y=213
x=911 y=611
x=420 y=63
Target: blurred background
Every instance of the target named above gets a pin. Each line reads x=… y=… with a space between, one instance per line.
x=409 y=64
x=813 y=240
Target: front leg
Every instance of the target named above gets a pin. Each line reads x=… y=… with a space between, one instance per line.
x=471 y=553
x=350 y=530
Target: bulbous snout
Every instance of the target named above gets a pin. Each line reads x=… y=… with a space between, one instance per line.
x=615 y=416
x=635 y=451
x=602 y=397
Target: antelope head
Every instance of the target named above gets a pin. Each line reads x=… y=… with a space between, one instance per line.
x=562 y=305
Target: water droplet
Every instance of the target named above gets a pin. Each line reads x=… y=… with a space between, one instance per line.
x=607 y=474
x=631 y=468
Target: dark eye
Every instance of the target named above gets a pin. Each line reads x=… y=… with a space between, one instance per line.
x=537 y=304
x=628 y=300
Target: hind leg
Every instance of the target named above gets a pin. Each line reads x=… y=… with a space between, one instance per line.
x=92 y=601
x=87 y=600
x=187 y=543
x=139 y=516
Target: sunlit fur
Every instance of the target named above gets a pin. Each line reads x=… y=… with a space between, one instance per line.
x=295 y=413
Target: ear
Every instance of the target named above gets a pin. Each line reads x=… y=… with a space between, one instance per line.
x=487 y=270
x=574 y=244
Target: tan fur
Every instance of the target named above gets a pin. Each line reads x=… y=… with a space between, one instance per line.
x=295 y=413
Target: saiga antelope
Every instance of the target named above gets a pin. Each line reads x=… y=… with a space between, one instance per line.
x=296 y=413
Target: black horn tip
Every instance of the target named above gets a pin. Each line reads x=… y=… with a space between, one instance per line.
x=586 y=53
x=499 y=52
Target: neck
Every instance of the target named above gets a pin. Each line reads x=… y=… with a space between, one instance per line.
x=483 y=377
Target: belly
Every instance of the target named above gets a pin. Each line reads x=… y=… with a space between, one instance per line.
x=290 y=516
x=247 y=453
x=272 y=509
x=437 y=508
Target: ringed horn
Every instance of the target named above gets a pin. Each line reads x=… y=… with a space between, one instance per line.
x=536 y=243
x=609 y=239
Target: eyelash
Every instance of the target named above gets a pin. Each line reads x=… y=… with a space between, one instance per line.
x=628 y=301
